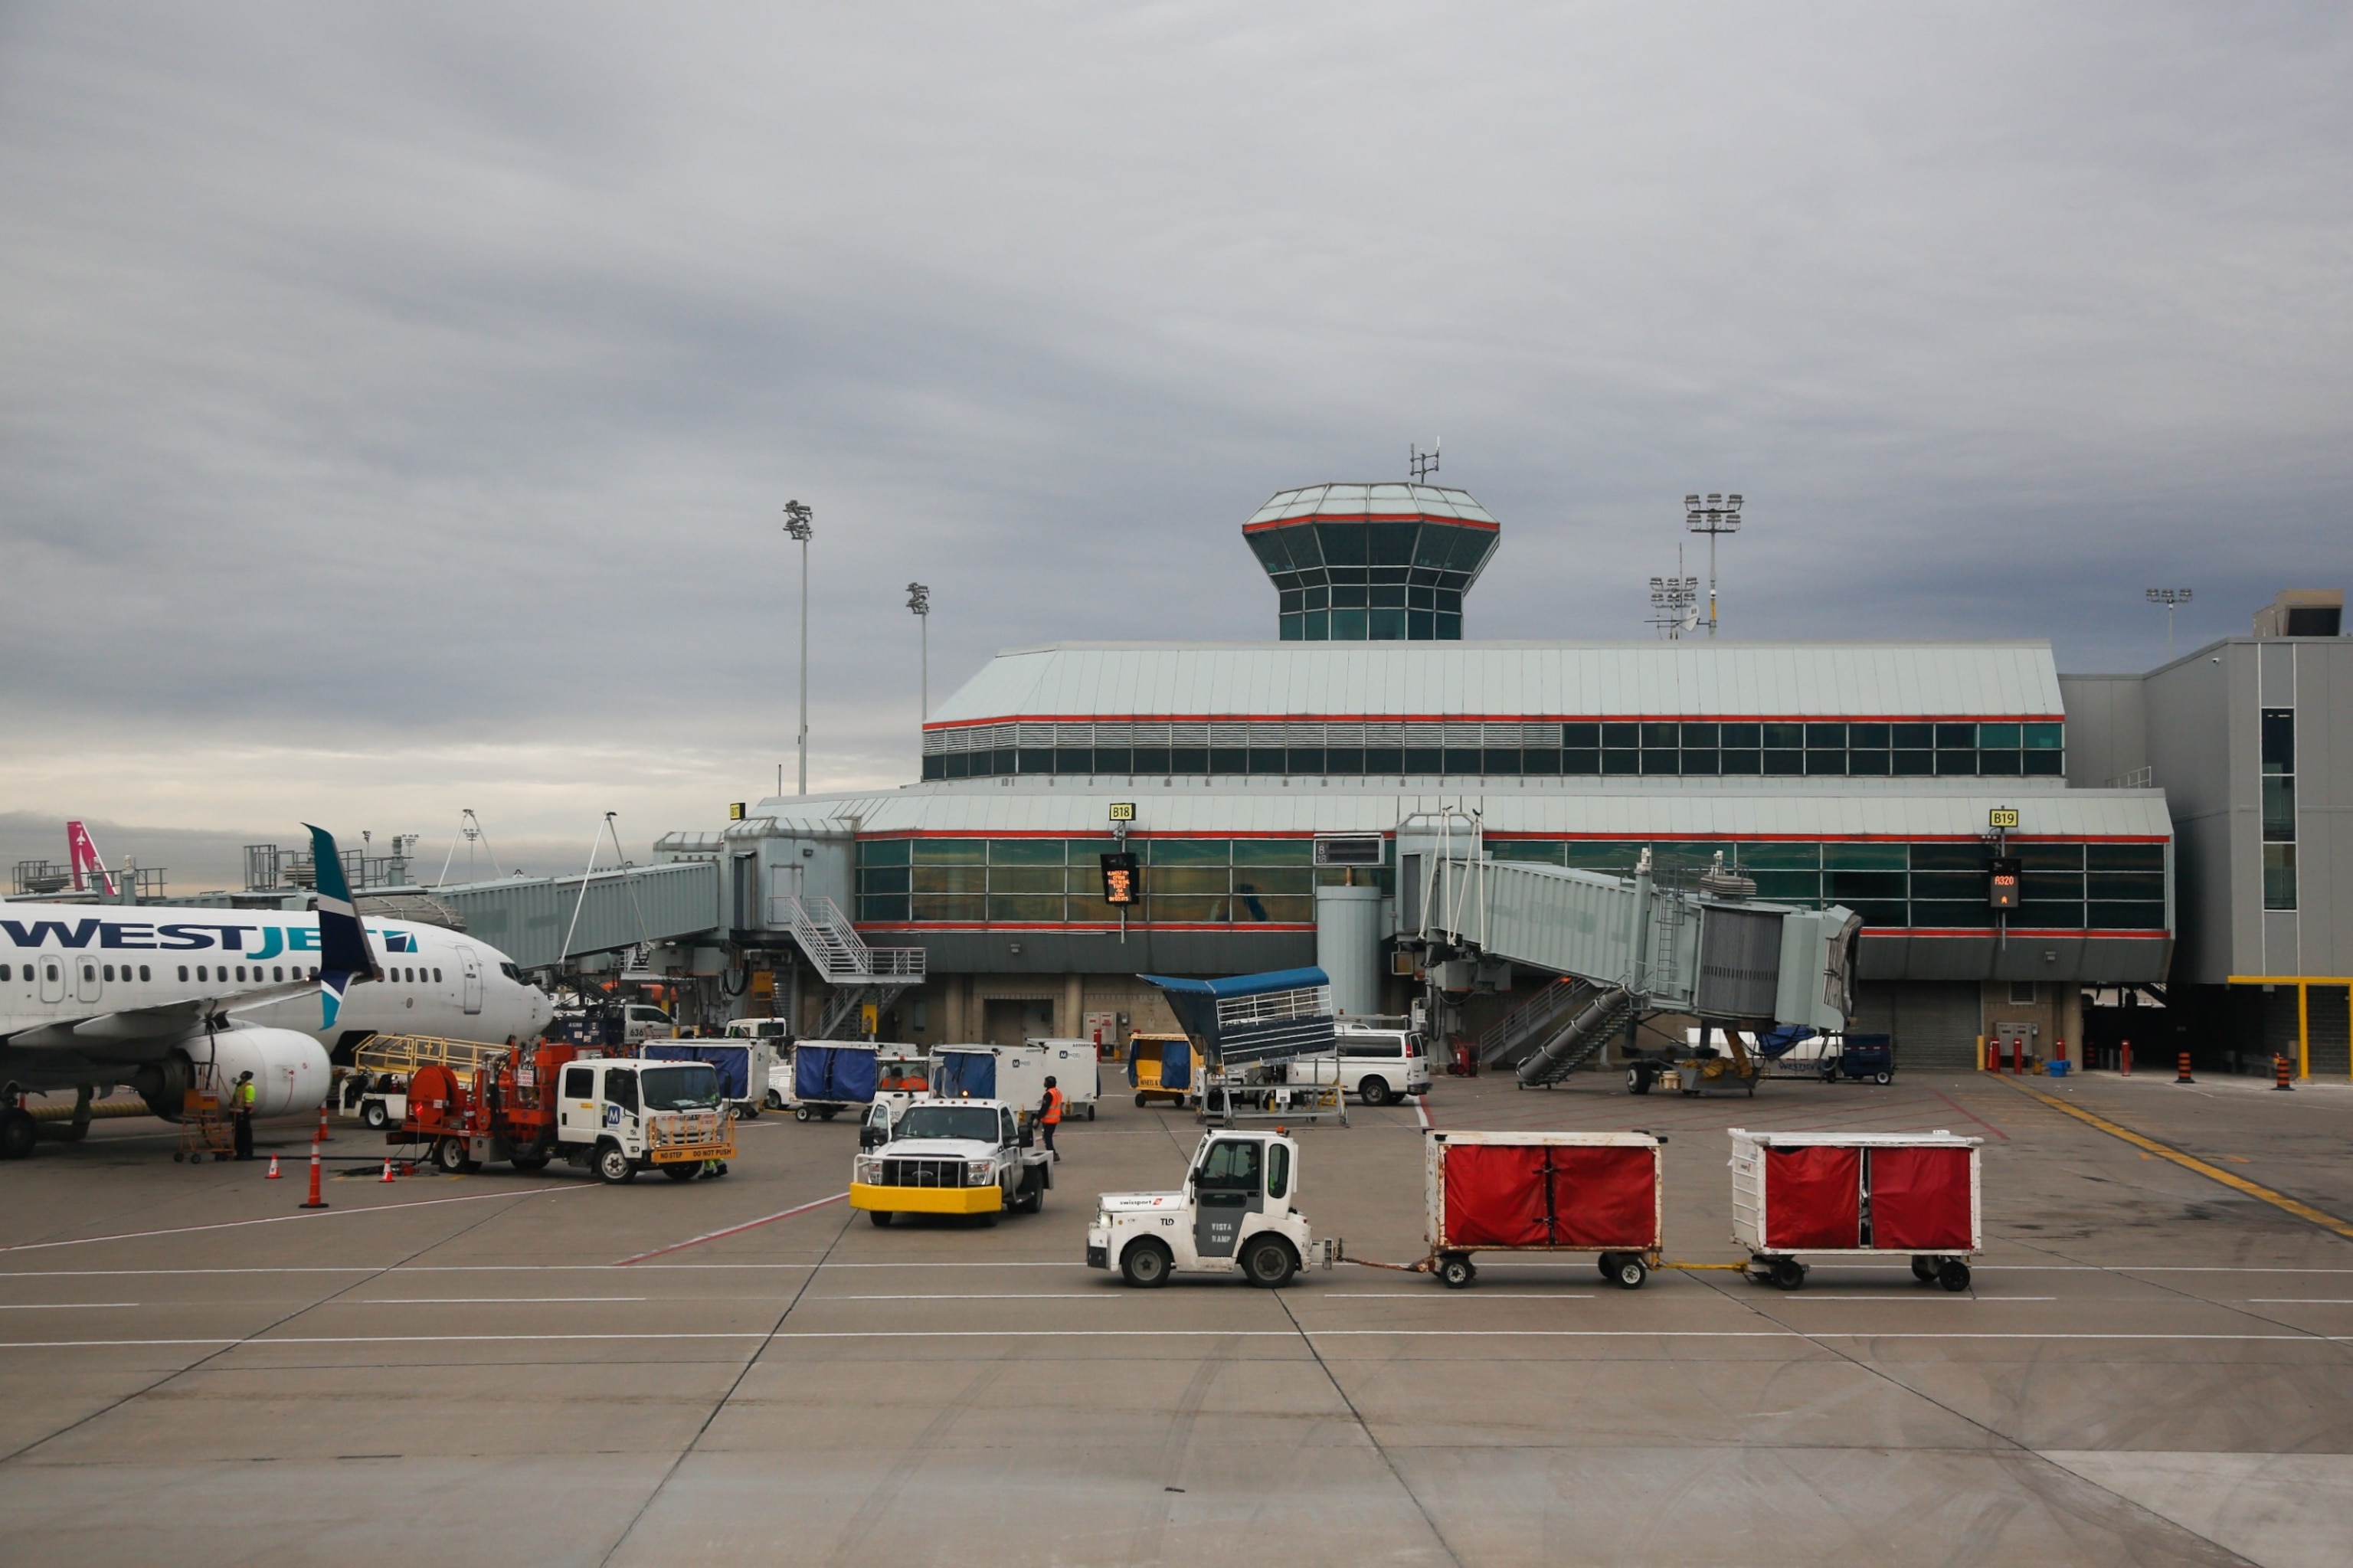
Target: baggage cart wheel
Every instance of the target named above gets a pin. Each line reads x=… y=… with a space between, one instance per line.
x=1924 y=1269
x=1267 y=1262
x=1145 y=1264
x=1882 y=1076
x=373 y=1114
x=828 y=1113
x=1788 y=1274
x=1140 y=1101
x=1630 y=1272
x=177 y=1156
x=449 y=1154
x=882 y=1218
x=1953 y=1275
x=1638 y=1082
x=1456 y=1271
x=1608 y=1264
x=800 y=1113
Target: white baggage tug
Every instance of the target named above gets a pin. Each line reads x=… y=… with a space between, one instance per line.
x=1237 y=1214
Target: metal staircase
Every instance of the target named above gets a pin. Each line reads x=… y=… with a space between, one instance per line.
x=1575 y=1041
x=858 y=974
x=1504 y=1042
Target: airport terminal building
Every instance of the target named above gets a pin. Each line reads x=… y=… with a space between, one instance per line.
x=1862 y=774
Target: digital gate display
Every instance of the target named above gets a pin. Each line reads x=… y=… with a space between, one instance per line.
x=1122 y=884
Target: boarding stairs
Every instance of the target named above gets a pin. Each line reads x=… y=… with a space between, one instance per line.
x=860 y=975
x=1570 y=1045
x=1504 y=1042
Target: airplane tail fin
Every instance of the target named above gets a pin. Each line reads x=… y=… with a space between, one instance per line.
x=83 y=852
x=344 y=956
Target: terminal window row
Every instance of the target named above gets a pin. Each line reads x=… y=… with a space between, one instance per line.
x=1590 y=750
x=1929 y=886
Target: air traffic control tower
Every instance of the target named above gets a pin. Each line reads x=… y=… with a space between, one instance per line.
x=1372 y=563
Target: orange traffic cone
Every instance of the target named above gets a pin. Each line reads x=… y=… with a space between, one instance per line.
x=273 y=1175
x=387 y=1169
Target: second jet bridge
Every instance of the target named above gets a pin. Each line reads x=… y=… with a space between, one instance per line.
x=1708 y=951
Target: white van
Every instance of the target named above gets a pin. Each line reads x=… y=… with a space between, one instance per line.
x=1376 y=1065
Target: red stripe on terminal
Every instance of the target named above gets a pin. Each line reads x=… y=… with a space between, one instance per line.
x=1498 y=719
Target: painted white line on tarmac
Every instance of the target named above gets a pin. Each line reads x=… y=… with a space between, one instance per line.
x=1946 y=1296
x=477 y=1300
x=1291 y=1334
x=61 y=1306
x=2301 y=1300
x=283 y=1219
x=1433 y=1296
x=733 y=1230
x=1422 y=1110
x=1105 y=1295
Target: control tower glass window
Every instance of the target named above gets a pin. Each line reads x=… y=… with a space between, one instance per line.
x=1371 y=563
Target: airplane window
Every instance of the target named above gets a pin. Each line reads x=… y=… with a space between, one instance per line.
x=184 y=972
x=53 y=971
x=4 y=971
x=240 y=971
x=200 y=971
x=142 y=972
x=437 y=975
x=90 y=972
x=276 y=973
x=109 y=971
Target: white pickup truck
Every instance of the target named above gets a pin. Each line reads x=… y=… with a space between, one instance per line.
x=952 y=1157
x=1238 y=1214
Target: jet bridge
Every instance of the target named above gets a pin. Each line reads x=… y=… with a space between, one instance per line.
x=1710 y=951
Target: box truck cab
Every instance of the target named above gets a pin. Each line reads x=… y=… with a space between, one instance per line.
x=1237 y=1214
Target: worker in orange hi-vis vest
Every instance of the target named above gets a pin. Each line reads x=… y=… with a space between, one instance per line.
x=1049 y=1115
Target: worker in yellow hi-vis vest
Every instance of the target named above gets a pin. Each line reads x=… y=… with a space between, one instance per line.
x=241 y=1101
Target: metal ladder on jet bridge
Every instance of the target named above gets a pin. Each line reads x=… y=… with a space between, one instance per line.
x=858 y=974
x=1604 y=1012
x=1505 y=1043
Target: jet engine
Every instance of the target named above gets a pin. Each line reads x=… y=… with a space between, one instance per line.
x=289 y=1071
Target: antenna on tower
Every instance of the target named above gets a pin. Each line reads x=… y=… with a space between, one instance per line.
x=1424 y=464
x=1675 y=602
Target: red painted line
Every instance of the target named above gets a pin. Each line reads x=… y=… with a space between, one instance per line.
x=1362 y=717
x=731 y=1229
x=1971 y=1114
x=1532 y=836
x=1306 y=519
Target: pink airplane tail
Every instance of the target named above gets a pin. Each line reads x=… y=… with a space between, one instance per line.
x=86 y=861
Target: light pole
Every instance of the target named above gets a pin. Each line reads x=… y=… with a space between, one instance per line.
x=1719 y=514
x=798 y=519
x=2168 y=597
x=1674 y=599
x=919 y=600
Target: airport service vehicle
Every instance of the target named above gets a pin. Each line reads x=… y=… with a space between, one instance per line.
x=831 y=1076
x=610 y=1023
x=1376 y=1064
x=952 y=1157
x=1545 y=1192
x=1018 y=1074
x=180 y=1002
x=614 y=1115
x=1237 y=1214
x=1160 y=1068
x=775 y=1031
x=743 y=1066
x=1857 y=1194
x=1699 y=1069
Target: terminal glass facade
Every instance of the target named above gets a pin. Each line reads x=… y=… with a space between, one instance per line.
x=1938 y=886
x=1582 y=749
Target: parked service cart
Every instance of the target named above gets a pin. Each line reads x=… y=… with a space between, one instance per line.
x=1160 y=1068
x=743 y=1067
x=1237 y=1214
x=1076 y=1067
x=831 y=1076
x=1545 y=1192
x=1018 y=1074
x=1856 y=1194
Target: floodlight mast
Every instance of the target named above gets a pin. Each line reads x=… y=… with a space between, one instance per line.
x=1675 y=601
x=2170 y=598
x=1423 y=464
x=919 y=600
x=1717 y=516
x=799 y=521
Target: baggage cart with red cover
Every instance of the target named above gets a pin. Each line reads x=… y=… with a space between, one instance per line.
x=1545 y=1192
x=1856 y=1194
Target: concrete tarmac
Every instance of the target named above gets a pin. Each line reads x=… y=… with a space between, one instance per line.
x=2152 y=1368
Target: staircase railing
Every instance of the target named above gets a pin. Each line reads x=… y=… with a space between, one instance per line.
x=1523 y=1023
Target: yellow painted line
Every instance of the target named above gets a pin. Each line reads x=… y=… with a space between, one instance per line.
x=2147 y=1144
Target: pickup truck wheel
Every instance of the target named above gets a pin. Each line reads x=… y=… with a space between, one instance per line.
x=449 y=1154
x=1374 y=1091
x=1145 y=1264
x=613 y=1166
x=1267 y=1262
x=881 y=1218
x=373 y=1114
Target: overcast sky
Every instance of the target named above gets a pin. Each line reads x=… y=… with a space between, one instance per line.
x=396 y=403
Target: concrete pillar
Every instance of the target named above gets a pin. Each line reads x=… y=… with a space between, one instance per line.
x=1348 y=946
x=2070 y=1023
x=1074 y=1007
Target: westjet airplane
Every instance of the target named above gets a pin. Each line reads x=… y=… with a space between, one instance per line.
x=162 y=997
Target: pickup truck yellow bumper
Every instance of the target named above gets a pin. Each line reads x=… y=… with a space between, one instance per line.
x=986 y=1200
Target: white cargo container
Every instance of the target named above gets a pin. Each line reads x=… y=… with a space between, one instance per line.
x=1857 y=1194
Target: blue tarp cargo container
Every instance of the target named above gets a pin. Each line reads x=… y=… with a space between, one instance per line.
x=731 y=1063
x=957 y=1074
x=1246 y=1019
x=830 y=1073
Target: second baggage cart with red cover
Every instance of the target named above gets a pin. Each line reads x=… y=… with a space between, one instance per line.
x=1545 y=1192
x=1856 y=1193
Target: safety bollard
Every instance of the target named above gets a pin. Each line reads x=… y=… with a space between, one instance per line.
x=314 y=1202
x=2017 y=1057
x=2181 y=1072
x=325 y=1135
x=2125 y=1055
x=2280 y=1075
